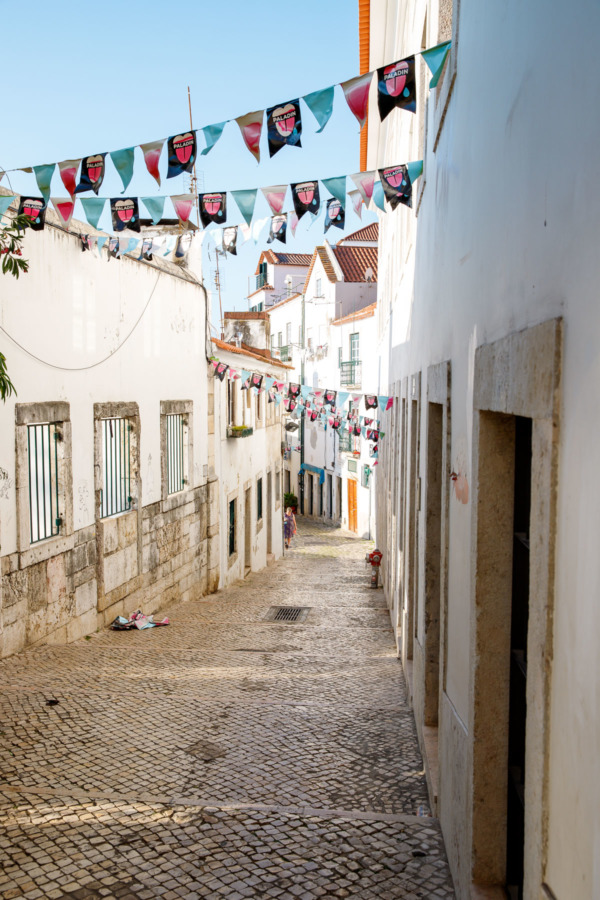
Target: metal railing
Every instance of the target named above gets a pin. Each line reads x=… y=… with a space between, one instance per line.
x=175 y=453
x=116 y=467
x=42 y=446
x=351 y=373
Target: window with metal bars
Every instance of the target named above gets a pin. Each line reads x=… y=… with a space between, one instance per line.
x=259 y=499
x=176 y=453
x=44 y=512
x=116 y=467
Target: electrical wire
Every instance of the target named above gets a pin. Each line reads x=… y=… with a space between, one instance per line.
x=93 y=365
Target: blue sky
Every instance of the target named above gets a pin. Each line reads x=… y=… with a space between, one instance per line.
x=115 y=75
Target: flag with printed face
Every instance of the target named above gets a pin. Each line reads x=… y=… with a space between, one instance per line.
x=35 y=210
x=92 y=173
x=221 y=371
x=370 y=401
x=396 y=185
x=230 y=240
x=256 y=381
x=278 y=230
x=293 y=389
x=125 y=213
x=181 y=153
x=330 y=397
x=396 y=86
x=213 y=208
x=284 y=126
x=305 y=195
x=335 y=214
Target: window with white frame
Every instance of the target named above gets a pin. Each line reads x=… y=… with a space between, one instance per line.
x=231 y=401
x=318 y=288
x=288 y=334
x=354 y=348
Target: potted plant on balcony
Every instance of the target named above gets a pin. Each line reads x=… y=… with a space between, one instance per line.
x=290 y=499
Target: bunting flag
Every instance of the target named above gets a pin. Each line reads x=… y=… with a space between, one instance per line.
x=213 y=208
x=92 y=173
x=364 y=181
x=396 y=87
x=64 y=207
x=293 y=389
x=230 y=240
x=379 y=196
x=221 y=370
x=356 y=92
x=245 y=201
x=370 y=401
x=129 y=247
x=5 y=203
x=68 y=174
x=258 y=227
x=284 y=126
x=125 y=213
x=305 y=195
x=152 y=151
x=246 y=231
x=212 y=133
x=114 y=248
x=184 y=242
x=183 y=205
x=320 y=104
x=329 y=398
x=342 y=398
x=251 y=127
x=414 y=169
x=275 y=195
x=357 y=202
x=292 y=223
x=278 y=229
x=123 y=163
x=335 y=214
x=155 y=207
x=146 y=252
x=35 y=209
x=43 y=176
x=396 y=185
x=101 y=242
x=181 y=153
x=337 y=187
x=256 y=381
x=435 y=58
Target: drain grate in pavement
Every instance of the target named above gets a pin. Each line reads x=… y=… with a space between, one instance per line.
x=287 y=614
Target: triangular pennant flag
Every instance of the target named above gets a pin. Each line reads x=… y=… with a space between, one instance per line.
x=258 y=226
x=435 y=58
x=356 y=199
x=246 y=232
x=93 y=207
x=128 y=245
x=5 y=203
x=212 y=133
x=379 y=195
x=230 y=240
x=251 y=127
x=152 y=151
x=396 y=185
x=414 y=169
x=101 y=241
x=64 y=206
x=35 y=209
x=320 y=104
x=68 y=173
x=364 y=182
x=337 y=187
x=125 y=213
x=183 y=205
x=278 y=229
x=43 y=176
x=356 y=92
x=396 y=86
x=389 y=404
x=306 y=391
x=92 y=173
x=292 y=223
x=342 y=398
x=335 y=214
x=284 y=126
x=245 y=201
x=181 y=153
x=155 y=207
x=383 y=402
x=213 y=208
x=123 y=163
x=269 y=382
x=275 y=195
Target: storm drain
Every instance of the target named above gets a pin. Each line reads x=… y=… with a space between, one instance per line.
x=287 y=614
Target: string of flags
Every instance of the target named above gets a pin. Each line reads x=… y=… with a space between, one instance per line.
x=326 y=407
x=396 y=89
x=393 y=185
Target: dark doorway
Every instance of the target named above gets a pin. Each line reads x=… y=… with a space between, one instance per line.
x=329 y=496
x=515 y=835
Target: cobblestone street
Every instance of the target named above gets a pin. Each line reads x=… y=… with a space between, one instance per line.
x=226 y=755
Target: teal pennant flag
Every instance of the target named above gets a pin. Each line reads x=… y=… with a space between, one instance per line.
x=414 y=169
x=43 y=176
x=342 y=398
x=155 y=207
x=123 y=163
x=435 y=58
x=5 y=203
x=101 y=243
x=320 y=104
x=212 y=133
x=93 y=208
x=131 y=246
x=306 y=391
x=245 y=201
x=337 y=187
x=379 y=196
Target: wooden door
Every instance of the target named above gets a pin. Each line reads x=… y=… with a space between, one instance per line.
x=352 y=506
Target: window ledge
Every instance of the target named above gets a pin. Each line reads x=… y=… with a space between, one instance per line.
x=46 y=550
x=232 y=559
x=239 y=431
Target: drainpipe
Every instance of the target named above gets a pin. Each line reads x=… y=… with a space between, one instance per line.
x=302 y=418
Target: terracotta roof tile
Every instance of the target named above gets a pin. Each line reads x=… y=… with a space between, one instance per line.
x=254 y=353
x=355 y=261
x=283 y=259
x=367 y=233
x=365 y=313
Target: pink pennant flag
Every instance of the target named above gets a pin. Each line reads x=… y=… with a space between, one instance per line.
x=251 y=127
x=64 y=206
x=293 y=222
x=275 y=195
x=356 y=398
x=68 y=173
x=152 y=152
x=356 y=92
x=357 y=202
x=246 y=231
x=183 y=204
x=389 y=404
x=364 y=181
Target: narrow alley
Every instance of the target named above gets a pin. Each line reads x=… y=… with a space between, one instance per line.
x=227 y=755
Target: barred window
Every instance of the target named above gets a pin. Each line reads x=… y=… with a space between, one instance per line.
x=259 y=499
x=116 y=466
x=42 y=449
x=177 y=462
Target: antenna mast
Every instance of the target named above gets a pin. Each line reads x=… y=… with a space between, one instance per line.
x=194 y=180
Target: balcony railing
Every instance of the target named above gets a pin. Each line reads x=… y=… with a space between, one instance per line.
x=283 y=353
x=345 y=442
x=351 y=373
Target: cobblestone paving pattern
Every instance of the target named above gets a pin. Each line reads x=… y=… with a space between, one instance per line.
x=223 y=756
